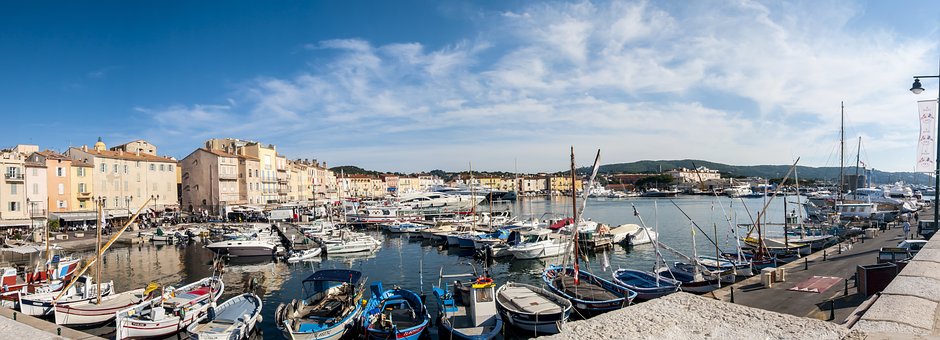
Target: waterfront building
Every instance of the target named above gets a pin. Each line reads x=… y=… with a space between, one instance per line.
x=137 y=146
x=532 y=185
x=407 y=185
x=80 y=178
x=562 y=184
x=57 y=180
x=697 y=175
x=124 y=179
x=210 y=181
x=363 y=186
x=249 y=180
x=13 y=212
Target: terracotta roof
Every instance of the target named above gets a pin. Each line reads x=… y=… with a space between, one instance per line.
x=131 y=156
x=219 y=153
x=80 y=163
x=52 y=155
x=249 y=157
x=35 y=164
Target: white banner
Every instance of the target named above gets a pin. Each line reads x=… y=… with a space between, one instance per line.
x=926 y=143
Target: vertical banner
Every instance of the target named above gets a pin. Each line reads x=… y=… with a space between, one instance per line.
x=926 y=143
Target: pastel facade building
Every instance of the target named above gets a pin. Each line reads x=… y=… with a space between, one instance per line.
x=13 y=205
x=210 y=181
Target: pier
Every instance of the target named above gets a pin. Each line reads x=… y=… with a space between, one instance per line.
x=837 y=291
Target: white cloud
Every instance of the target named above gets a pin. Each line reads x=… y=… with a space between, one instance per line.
x=738 y=82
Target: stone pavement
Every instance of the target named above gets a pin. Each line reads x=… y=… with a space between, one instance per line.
x=908 y=306
x=28 y=327
x=829 y=262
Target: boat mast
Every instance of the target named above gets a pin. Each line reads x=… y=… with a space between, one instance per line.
x=98 y=252
x=858 y=156
x=842 y=153
x=473 y=200
x=574 y=215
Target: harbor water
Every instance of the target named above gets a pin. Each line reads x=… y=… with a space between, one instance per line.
x=413 y=263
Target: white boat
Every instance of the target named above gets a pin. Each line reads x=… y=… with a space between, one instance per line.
x=351 y=244
x=538 y=244
x=91 y=312
x=41 y=304
x=171 y=313
x=532 y=308
x=304 y=255
x=243 y=247
x=406 y=227
x=234 y=319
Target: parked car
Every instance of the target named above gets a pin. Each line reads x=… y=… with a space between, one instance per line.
x=926 y=228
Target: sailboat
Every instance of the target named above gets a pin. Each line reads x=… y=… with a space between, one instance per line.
x=647 y=285
x=589 y=293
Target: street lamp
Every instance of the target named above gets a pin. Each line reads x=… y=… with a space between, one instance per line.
x=917 y=88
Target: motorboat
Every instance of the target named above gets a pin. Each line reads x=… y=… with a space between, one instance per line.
x=328 y=309
x=234 y=319
x=532 y=308
x=468 y=316
x=175 y=310
x=647 y=285
x=244 y=246
x=539 y=243
x=633 y=234
x=305 y=255
x=350 y=242
x=394 y=314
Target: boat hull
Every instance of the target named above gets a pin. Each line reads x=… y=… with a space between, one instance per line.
x=645 y=284
x=244 y=251
x=623 y=295
x=541 y=323
x=84 y=314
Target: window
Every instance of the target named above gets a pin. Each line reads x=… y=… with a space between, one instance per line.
x=14 y=206
x=115 y=168
x=153 y=167
x=125 y=168
x=104 y=168
x=13 y=190
x=60 y=171
x=60 y=204
x=116 y=200
x=170 y=167
x=138 y=164
x=81 y=187
x=36 y=172
x=81 y=204
x=161 y=167
x=81 y=172
x=61 y=189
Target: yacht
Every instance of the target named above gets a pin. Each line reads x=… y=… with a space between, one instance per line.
x=244 y=246
x=538 y=244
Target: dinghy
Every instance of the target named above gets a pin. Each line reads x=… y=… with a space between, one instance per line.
x=394 y=314
x=647 y=285
x=234 y=319
x=328 y=309
x=532 y=308
x=304 y=255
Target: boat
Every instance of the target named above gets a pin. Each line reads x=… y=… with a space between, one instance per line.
x=172 y=312
x=647 y=285
x=655 y=193
x=468 y=316
x=695 y=279
x=41 y=304
x=329 y=307
x=243 y=246
x=532 y=308
x=394 y=314
x=590 y=294
x=406 y=227
x=234 y=319
x=740 y=267
x=91 y=312
x=539 y=243
x=304 y=255
x=350 y=243
x=39 y=281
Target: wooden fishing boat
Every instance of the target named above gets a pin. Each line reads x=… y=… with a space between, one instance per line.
x=394 y=314
x=328 y=309
x=647 y=285
x=175 y=310
x=41 y=304
x=93 y=313
x=234 y=319
x=590 y=294
x=532 y=308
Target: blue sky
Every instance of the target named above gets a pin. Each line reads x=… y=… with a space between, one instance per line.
x=418 y=85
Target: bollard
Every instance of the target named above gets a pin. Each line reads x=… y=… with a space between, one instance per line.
x=863 y=240
x=840 y=248
x=14 y=316
x=732 y=294
x=805 y=264
x=832 y=310
x=824 y=254
x=846 y=287
x=58 y=331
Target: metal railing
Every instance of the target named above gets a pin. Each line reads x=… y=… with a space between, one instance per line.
x=14 y=177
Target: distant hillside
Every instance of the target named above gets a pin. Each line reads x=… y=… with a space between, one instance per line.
x=765 y=171
x=353 y=170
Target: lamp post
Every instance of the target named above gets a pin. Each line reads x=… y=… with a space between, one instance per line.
x=916 y=88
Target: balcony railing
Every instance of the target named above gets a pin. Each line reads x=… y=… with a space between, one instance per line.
x=37 y=213
x=14 y=177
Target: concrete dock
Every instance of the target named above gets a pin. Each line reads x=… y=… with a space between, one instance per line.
x=23 y=326
x=830 y=263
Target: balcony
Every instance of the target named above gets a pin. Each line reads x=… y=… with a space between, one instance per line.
x=37 y=213
x=84 y=195
x=14 y=177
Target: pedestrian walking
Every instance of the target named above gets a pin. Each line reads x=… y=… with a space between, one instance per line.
x=907 y=229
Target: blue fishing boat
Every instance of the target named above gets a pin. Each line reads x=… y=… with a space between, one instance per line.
x=532 y=308
x=647 y=285
x=589 y=294
x=329 y=307
x=468 y=311
x=394 y=314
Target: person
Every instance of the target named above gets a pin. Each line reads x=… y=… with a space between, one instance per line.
x=907 y=228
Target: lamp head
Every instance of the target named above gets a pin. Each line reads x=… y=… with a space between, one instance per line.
x=916 y=87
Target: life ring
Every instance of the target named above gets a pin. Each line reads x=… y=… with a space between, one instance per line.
x=482 y=282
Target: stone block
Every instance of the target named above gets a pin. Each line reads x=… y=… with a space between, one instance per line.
x=923 y=287
x=887 y=327
x=922 y=269
x=907 y=310
x=932 y=255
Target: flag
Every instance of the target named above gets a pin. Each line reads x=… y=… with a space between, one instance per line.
x=926 y=143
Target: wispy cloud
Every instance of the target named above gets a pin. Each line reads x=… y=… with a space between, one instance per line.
x=739 y=82
x=103 y=72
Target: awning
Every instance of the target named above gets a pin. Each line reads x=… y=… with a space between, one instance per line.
x=74 y=216
x=112 y=213
x=24 y=249
x=15 y=223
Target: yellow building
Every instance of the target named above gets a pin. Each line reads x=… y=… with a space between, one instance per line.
x=562 y=184
x=82 y=186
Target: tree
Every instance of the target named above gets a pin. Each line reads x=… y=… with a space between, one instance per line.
x=654 y=181
x=53 y=225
